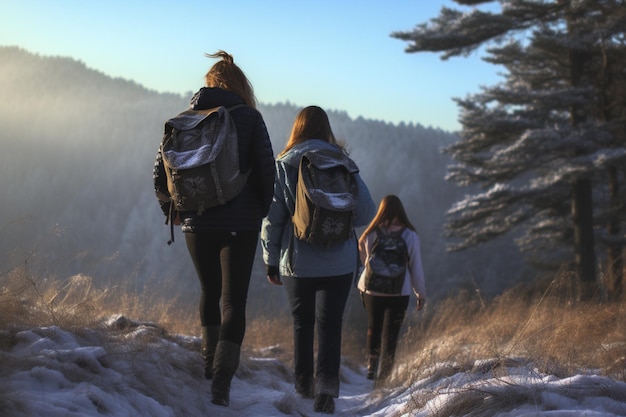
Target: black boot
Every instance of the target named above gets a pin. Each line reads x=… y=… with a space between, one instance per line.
x=385 y=369
x=304 y=386
x=225 y=364
x=324 y=403
x=372 y=367
x=210 y=336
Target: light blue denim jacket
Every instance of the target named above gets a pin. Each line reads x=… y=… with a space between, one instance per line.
x=297 y=258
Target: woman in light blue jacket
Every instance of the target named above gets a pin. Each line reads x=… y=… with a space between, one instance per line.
x=318 y=278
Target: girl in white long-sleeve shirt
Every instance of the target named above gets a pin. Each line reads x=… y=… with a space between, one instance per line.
x=386 y=312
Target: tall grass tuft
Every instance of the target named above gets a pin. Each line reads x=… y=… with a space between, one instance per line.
x=541 y=324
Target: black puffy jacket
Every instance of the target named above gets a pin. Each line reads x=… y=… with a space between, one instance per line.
x=246 y=211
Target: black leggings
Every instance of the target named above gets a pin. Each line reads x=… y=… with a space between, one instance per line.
x=223 y=262
x=385 y=316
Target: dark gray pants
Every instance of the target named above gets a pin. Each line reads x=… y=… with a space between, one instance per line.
x=318 y=301
x=385 y=316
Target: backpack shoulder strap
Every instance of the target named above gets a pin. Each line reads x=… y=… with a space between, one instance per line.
x=235 y=107
x=406 y=246
x=329 y=158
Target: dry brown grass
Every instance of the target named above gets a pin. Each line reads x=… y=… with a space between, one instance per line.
x=541 y=327
x=76 y=302
x=541 y=324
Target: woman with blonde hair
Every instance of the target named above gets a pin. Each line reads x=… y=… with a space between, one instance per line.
x=318 y=277
x=222 y=240
x=386 y=309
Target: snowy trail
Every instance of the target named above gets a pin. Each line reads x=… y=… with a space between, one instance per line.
x=134 y=369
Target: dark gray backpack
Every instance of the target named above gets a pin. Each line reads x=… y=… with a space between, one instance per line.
x=201 y=158
x=386 y=265
x=326 y=197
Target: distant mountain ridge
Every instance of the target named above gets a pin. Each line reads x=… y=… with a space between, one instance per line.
x=77 y=163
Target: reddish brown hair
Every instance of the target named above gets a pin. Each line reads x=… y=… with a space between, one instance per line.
x=227 y=75
x=390 y=211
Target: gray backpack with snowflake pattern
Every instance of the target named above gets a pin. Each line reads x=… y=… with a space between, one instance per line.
x=326 y=197
x=200 y=153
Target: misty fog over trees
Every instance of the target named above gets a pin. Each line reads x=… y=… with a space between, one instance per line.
x=76 y=173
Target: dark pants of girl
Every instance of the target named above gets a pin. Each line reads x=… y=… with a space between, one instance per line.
x=320 y=300
x=223 y=262
x=385 y=315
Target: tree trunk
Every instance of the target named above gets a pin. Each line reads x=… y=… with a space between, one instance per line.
x=582 y=215
x=615 y=262
x=582 y=197
x=615 y=253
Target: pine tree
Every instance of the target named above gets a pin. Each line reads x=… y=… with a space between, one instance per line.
x=546 y=144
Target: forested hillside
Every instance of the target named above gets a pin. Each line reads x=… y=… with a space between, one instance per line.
x=76 y=171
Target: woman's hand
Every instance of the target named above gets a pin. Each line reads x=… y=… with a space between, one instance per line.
x=420 y=303
x=272 y=274
x=274 y=279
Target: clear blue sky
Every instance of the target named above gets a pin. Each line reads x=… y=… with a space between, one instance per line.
x=333 y=53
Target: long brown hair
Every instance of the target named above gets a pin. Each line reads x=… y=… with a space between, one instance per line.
x=311 y=123
x=227 y=75
x=390 y=211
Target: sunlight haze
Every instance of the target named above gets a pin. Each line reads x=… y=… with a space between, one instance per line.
x=338 y=55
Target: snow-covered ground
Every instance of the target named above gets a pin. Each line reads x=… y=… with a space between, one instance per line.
x=125 y=368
